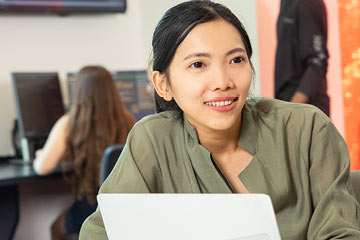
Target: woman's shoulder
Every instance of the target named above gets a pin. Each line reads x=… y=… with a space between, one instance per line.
x=165 y=122
x=64 y=119
x=167 y=118
x=154 y=132
x=267 y=108
x=62 y=122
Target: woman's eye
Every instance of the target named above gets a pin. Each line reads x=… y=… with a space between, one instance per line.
x=197 y=65
x=237 y=60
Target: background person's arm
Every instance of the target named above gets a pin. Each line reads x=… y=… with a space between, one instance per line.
x=299 y=97
x=312 y=46
x=50 y=155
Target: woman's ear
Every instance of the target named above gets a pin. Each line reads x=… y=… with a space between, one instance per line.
x=161 y=85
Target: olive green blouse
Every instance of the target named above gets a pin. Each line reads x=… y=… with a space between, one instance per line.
x=300 y=161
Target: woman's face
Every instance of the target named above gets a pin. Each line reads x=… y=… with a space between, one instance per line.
x=210 y=76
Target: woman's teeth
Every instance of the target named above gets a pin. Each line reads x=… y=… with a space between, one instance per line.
x=220 y=103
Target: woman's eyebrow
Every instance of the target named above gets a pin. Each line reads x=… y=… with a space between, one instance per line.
x=235 y=50
x=199 y=54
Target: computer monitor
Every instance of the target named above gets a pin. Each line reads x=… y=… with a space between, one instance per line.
x=39 y=105
x=133 y=88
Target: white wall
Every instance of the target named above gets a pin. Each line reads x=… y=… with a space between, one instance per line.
x=63 y=44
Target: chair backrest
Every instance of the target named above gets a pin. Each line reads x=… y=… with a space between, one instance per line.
x=355 y=182
x=108 y=160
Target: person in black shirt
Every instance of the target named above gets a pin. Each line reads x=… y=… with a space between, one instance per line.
x=301 y=54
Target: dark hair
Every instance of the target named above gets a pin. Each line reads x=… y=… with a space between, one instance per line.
x=173 y=28
x=97 y=119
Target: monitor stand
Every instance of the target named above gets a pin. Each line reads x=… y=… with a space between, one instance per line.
x=27 y=152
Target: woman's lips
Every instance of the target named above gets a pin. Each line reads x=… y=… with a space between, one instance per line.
x=222 y=104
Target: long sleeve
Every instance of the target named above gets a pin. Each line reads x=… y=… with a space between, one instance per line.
x=312 y=43
x=134 y=172
x=336 y=211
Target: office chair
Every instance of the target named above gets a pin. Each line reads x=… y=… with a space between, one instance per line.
x=108 y=160
x=355 y=182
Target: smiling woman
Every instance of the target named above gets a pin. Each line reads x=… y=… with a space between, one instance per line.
x=209 y=138
x=212 y=62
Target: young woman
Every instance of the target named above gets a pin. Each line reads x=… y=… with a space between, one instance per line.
x=97 y=119
x=211 y=139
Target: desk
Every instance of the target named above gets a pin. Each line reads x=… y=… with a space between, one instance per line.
x=11 y=175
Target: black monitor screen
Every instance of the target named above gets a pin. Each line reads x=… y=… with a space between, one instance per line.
x=133 y=88
x=38 y=102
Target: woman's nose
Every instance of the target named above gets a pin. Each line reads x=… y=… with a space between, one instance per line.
x=221 y=80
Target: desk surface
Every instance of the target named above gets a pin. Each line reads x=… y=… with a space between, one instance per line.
x=14 y=173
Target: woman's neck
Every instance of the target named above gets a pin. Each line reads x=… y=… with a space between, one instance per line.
x=220 y=141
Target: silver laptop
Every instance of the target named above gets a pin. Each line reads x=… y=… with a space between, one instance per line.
x=188 y=216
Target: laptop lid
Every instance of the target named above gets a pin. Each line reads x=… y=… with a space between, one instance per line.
x=188 y=216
